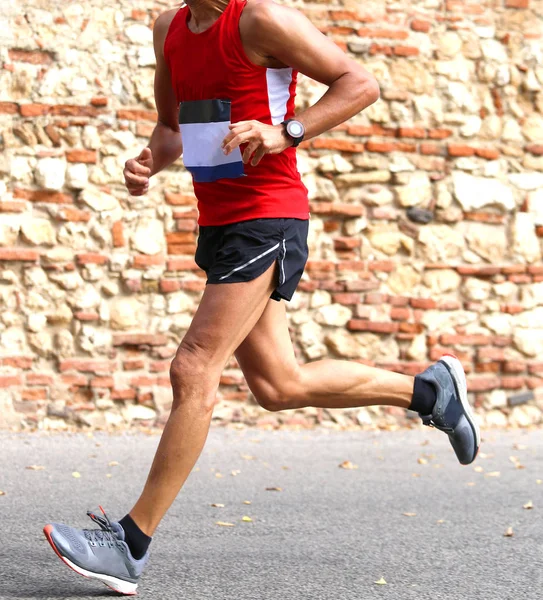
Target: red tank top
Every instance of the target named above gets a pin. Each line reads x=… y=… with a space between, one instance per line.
x=216 y=84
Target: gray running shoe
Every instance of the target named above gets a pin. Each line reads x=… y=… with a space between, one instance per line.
x=452 y=412
x=98 y=553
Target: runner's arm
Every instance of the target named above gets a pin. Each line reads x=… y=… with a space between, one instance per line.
x=286 y=35
x=165 y=142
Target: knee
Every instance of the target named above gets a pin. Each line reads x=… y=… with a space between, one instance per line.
x=192 y=376
x=278 y=395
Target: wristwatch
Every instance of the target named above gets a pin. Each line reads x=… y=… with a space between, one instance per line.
x=294 y=130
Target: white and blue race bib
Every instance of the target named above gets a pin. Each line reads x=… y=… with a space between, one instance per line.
x=204 y=125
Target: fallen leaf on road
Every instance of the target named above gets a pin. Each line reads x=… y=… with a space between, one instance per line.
x=218 y=475
x=76 y=474
x=223 y=524
x=347 y=464
x=517 y=446
x=381 y=581
x=2 y=493
x=113 y=463
x=195 y=469
x=246 y=502
x=529 y=505
x=493 y=474
x=422 y=461
x=218 y=505
x=415 y=474
x=108 y=475
x=539 y=481
x=409 y=514
x=248 y=457
x=285 y=468
x=274 y=489
x=471 y=483
x=35 y=468
x=478 y=469
x=440 y=521
x=235 y=472
x=485 y=455
x=519 y=466
x=509 y=532
x=247 y=519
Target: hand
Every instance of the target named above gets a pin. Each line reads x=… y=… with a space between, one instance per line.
x=137 y=172
x=260 y=139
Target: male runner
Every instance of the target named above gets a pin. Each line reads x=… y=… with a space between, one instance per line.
x=224 y=87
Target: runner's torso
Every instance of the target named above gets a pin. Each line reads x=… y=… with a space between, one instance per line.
x=217 y=84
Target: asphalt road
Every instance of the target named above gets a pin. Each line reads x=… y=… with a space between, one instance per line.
x=328 y=533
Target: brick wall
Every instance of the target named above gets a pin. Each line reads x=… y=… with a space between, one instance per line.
x=427 y=213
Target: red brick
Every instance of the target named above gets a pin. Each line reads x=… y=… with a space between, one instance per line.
x=180 y=237
x=117 y=233
x=487 y=367
x=514 y=366
x=142 y=260
x=73 y=215
x=536 y=149
x=34 y=110
x=34 y=57
x=412 y=132
x=342 y=15
x=102 y=382
x=424 y=303
x=180 y=199
x=512 y=383
x=534 y=382
x=406 y=51
x=38 y=379
x=182 y=249
x=12 y=206
x=382 y=265
x=337 y=30
x=133 y=364
x=185 y=213
x=337 y=144
x=159 y=366
x=86 y=365
x=491 y=354
x=86 y=315
x=362 y=286
x=360 y=325
x=486 y=271
x=535 y=269
x=79 y=155
x=488 y=153
x=439 y=134
x=346 y=298
x=351 y=265
x=539 y=231
x=512 y=309
x=34 y=394
x=420 y=25
x=18 y=362
x=388 y=34
x=381 y=147
x=91 y=258
x=74 y=110
x=483 y=384
x=375 y=298
x=186 y=225
x=517 y=3
x=126 y=394
x=338 y=208
x=483 y=217
x=470 y=340
x=19 y=254
x=411 y=327
x=143 y=381
x=8 y=108
x=99 y=101
x=398 y=301
x=510 y=269
x=535 y=368
x=43 y=196
x=519 y=278
x=75 y=380
x=431 y=149
x=137 y=115
x=139 y=339
x=460 y=150
x=449 y=305
x=182 y=264
x=400 y=314
x=9 y=380
x=347 y=243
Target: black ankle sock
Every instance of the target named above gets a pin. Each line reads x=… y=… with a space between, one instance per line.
x=137 y=541
x=424 y=397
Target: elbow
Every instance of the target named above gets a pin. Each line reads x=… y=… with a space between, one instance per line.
x=370 y=90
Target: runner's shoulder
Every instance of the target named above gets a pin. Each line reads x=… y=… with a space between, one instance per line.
x=263 y=13
x=163 y=22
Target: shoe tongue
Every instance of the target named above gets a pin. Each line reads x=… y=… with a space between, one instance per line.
x=118 y=529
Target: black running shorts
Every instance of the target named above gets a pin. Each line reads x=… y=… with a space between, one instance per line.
x=243 y=251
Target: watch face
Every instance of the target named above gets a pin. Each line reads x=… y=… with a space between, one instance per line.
x=295 y=129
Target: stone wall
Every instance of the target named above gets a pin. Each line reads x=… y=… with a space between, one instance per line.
x=427 y=212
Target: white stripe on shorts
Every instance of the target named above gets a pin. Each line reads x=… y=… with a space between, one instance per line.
x=283 y=261
x=250 y=262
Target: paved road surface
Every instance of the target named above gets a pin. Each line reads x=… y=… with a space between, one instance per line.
x=329 y=534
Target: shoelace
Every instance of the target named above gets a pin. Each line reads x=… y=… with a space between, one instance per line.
x=428 y=421
x=106 y=533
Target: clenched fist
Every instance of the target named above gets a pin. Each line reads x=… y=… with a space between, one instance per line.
x=137 y=172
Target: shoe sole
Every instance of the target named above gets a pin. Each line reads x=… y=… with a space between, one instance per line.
x=118 y=585
x=454 y=366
